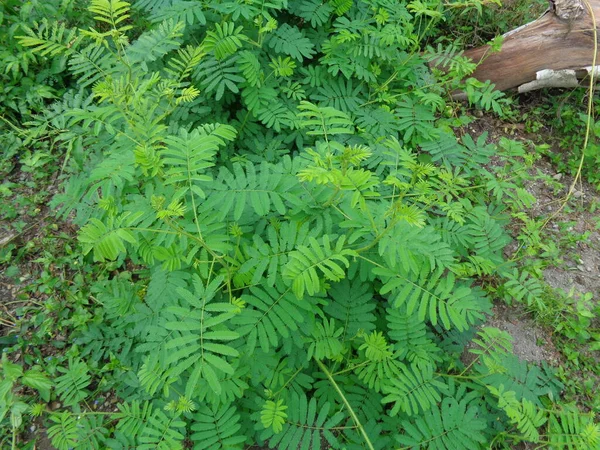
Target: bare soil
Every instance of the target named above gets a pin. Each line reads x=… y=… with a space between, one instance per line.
x=579 y=265
x=573 y=226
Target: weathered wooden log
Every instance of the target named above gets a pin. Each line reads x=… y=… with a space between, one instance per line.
x=555 y=50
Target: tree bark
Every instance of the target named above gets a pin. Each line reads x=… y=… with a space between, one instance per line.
x=555 y=50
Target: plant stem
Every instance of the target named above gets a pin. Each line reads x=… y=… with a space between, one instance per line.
x=350 y=410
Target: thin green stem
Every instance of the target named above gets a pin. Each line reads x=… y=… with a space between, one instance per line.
x=461 y=377
x=288 y=381
x=378 y=237
x=350 y=369
x=14 y=127
x=350 y=410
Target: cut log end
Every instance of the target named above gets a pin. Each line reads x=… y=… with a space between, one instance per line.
x=552 y=51
x=568 y=10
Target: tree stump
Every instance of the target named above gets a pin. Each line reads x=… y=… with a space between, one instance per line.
x=555 y=50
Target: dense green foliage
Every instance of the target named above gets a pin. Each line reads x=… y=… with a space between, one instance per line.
x=286 y=231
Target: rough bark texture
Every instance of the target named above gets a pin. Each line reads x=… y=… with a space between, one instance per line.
x=562 y=38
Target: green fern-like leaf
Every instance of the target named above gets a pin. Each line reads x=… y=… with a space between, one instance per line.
x=50 y=39
x=187 y=95
x=492 y=345
x=571 y=429
x=325 y=341
x=365 y=402
x=324 y=120
x=341 y=6
x=411 y=338
x=216 y=75
x=120 y=441
x=272 y=313
x=162 y=432
x=162 y=291
x=469 y=156
x=276 y=116
x=224 y=40
x=91 y=64
x=259 y=97
x=524 y=287
x=315 y=11
x=377 y=122
x=71 y=386
x=301 y=269
x=233 y=387
x=524 y=414
x=92 y=432
x=104 y=118
x=289 y=40
x=432 y=296
x=217 y=428
x=108 y=239
x=133 y=416
x=414 y=391
x=154 y=44
x=314 y=76
x=526 y=381
x=294 y=90
x=442 y=56
x=382 y=364
x=268 y=256
x=63 y=433
x=263 y=188
x=154 y=372
x=410 y=246
x=341 y=95
x=111 y=12
x=199 y=344
x=454 y=425
x=273 y=415
x=306 y=425
x=188 y=12
x=152 y=5
x=415 y=120
x=487 y=235
x=187 y=59
x=352 y=303
x=484 y=94
x=454 y=234
x=187 y=156
x=282 y=67
x=251 y=68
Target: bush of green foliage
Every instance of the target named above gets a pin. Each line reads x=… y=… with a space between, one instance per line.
x=287 y=230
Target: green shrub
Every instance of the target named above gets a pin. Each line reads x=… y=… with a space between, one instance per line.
x=288 y=231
